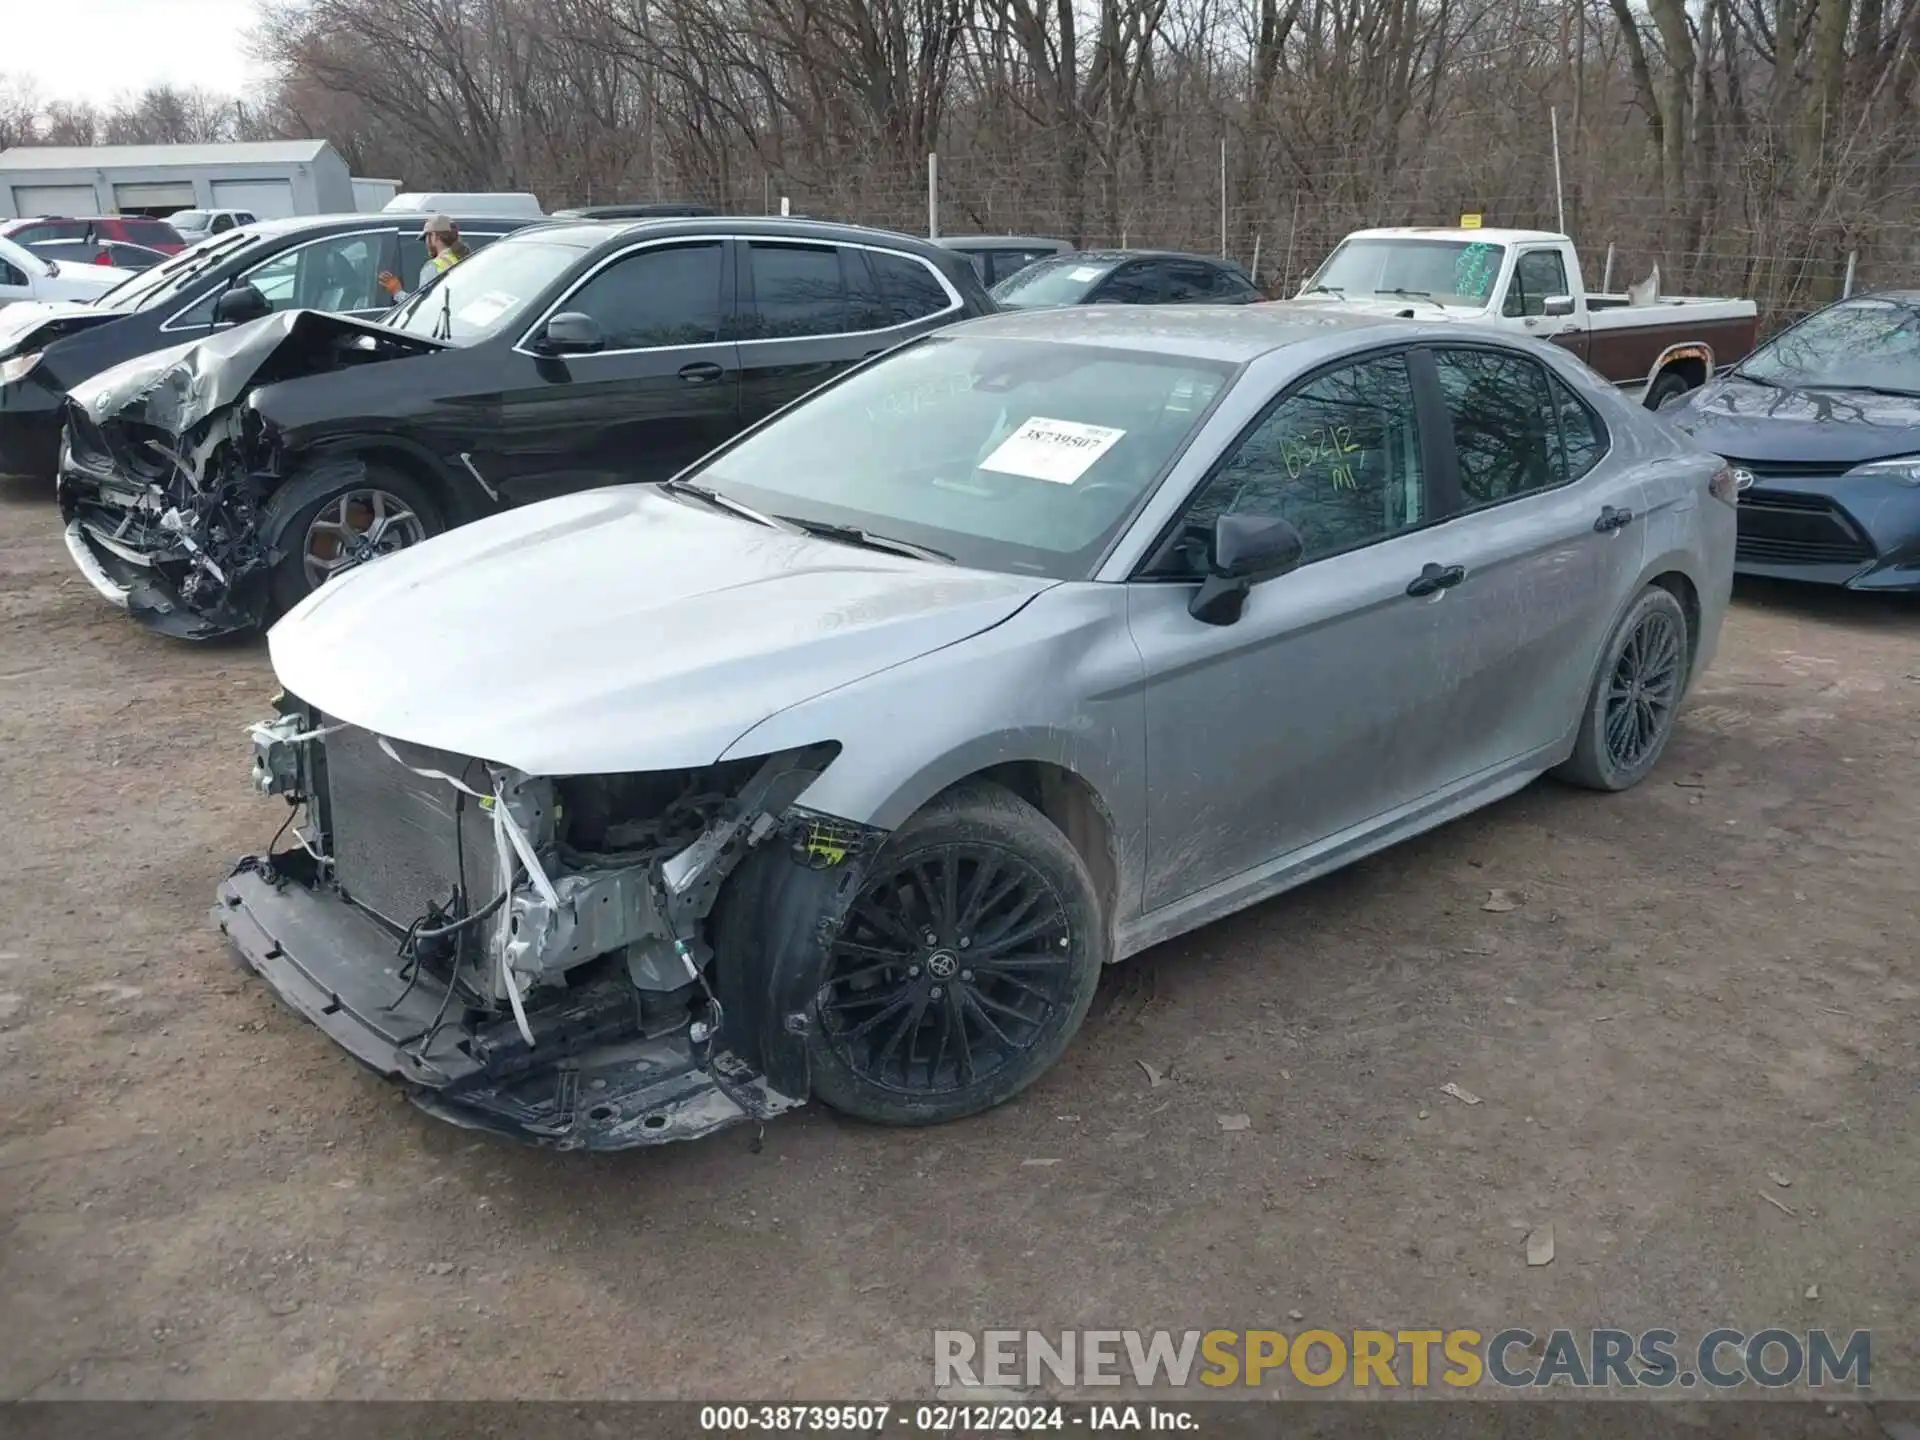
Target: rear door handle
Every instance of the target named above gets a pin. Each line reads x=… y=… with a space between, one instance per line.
x=1612 y=518
x=1432 y=579
x=701 y=372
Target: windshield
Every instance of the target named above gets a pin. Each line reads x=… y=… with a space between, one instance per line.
x=1453 y=272
x=162 y=283
x=1065 y=281
x=1007 y=455
x=485 y=291
x=188 y=219
x=1868 y=344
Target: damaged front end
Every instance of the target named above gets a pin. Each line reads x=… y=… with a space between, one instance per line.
x=546 y=958
x=166 y=468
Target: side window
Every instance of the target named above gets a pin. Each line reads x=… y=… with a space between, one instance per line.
x=1581 y=436
x=669 y=295
x=1506 y=432
x=1186 y=282
x=10 y=275
x=913 y=292
x=245 y=217
x=1536 y=275
x=1134 y=284
x=1339 y=458
x=221 y=222
x=866 y=303
x=796 y=291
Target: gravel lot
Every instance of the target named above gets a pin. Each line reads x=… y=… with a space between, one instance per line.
x=1702 y=983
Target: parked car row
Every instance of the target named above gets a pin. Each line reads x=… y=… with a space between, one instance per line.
x=819 y=766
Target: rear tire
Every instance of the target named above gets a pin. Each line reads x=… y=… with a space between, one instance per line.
x=1636 y=695
x=964 y=966
x=327 y=521
x=1669 y=384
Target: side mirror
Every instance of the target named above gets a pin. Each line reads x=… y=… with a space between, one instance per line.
x=238 y=305
x=1556 y=305
x=571 y=333
x=1246 y=550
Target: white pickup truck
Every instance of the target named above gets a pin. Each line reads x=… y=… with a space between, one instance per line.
x=25 y=276
x=1529 y=280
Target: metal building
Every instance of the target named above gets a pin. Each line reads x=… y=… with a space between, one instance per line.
x=271 y=178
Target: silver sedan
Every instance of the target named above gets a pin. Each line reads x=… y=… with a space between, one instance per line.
x=840 y=765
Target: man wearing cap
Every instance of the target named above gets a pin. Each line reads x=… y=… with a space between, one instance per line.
x=445 y=249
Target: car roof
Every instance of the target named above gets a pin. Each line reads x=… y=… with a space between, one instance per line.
x=1114 y=257
x=773 y=227
x=380 y=218
x=1457 y=233
x=1232 y=333
x=1001 y=242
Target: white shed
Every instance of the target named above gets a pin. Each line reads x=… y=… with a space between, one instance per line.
x=272 y=178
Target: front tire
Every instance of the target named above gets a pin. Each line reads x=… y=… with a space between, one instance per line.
x=1669 y=384
x=328 y=522
x=964 y=966
x=1636 y=696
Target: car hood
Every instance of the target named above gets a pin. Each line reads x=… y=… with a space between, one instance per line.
x=1798 y=425
x=616 y=630
x=27 y=325
x=1387 y=307
x=176 y=388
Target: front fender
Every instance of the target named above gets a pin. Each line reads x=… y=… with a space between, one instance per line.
x=466 y=498
x=1061 y=683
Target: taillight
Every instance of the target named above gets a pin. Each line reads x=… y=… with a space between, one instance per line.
x=1727 y=483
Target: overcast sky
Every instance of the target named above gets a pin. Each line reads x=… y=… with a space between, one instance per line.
x=99 y=49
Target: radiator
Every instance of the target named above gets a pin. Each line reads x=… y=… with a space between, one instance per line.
x=394 y=843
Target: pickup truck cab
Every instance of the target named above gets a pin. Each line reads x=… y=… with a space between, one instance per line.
x=1529 y=281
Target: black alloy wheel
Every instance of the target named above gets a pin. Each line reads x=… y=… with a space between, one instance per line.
x=1640 y=681
x=1644 y=688
x=963 y=966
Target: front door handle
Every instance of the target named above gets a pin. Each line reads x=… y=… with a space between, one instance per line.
x=701 y=372
x=1432 y=579
x=1611 y=519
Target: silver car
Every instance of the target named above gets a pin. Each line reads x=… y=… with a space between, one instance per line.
x=840 y=765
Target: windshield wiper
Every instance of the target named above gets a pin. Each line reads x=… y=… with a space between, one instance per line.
x=1335 y=290
x=1869 y=390
x=855 y=535
x=1754 y=379
x=721 y=502
x=1426 y=295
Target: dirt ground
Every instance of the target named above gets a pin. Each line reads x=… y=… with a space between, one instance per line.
x=1703 y=982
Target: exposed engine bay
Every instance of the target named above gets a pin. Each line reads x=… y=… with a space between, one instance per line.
x=538 y=956
x=168 y=467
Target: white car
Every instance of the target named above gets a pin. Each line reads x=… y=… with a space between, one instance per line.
x=25 y=276
x=196 y=225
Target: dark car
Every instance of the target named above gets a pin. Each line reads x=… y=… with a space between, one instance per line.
x=996 y=257
x=1822 y=425
x=329 y=263
x=121 y=254
x=210 y=489
x=127 y=229
x=1126 y=277
x=655 y=210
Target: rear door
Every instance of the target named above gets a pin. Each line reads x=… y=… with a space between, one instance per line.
x=1534 y=502
x=807 y=310
x=663 y=391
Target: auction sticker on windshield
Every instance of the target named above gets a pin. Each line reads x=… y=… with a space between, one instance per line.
x=1084 y=273
x=487 y=309
x=1060 y=451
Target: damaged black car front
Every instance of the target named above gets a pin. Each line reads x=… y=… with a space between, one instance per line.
x=174 y=488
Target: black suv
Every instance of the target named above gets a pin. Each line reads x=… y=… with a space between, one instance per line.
x=208 y=492
x=323 y=263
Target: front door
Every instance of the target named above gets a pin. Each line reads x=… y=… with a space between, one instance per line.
x=663 y=391
x=1302 y=719
x=1538 y=276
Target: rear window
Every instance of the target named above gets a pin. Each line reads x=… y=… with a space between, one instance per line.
x=149 y=232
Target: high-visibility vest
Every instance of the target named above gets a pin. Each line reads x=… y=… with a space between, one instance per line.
x=445 y=261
